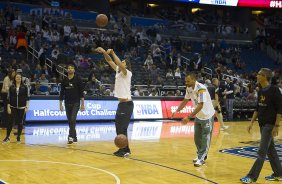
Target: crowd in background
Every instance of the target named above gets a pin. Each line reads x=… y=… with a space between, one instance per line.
x=158 y=61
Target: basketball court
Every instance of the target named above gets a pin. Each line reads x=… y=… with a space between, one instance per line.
x=162 y=153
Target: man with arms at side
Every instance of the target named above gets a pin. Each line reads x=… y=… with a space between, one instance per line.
x=216 y=104
x=72 y=93
x=268 y=112
x=204 y=113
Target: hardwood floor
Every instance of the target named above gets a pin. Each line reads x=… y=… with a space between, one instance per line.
x=162 y=153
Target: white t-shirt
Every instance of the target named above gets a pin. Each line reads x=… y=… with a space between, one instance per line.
x=123 y=84
x=200 y=94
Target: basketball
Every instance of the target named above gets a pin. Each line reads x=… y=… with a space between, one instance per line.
x=121 y=141
x=101 y=20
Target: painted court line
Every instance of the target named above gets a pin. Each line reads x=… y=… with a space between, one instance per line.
x=130 y=158
x=66 y=163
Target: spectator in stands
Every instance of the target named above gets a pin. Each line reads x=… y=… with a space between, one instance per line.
x=55 y=53
x=138 y=92
x=177 y=73
x=170 y=62
x=25 y=68
x=154 y=92
x=229 y=98
x=7 y=82
x=44 y=86
x=178 y=93
x=198 y=62
x=268 y=112
x=18 y=102
x=55 y=87
x=21 y=40
x=72 y=93
x=169 y=74
x=112 y=90
x=37 y=71
x=159 y=81
x=42 y=55
x=35 y=89
x=93 y=85
x=122 y=92
x=148 y=62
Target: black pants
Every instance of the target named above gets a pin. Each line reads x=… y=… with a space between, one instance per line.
x=71 y=111
x=18 y=115
x=122 y=119
x=6 y=118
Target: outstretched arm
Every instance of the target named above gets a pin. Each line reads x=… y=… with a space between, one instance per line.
x=117 y=61
x=107 y=57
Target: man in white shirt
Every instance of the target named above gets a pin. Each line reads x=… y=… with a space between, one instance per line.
x=123 y=93
x=204 y=113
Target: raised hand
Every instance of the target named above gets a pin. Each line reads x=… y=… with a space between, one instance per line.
x=110 y=51
x=100 y=50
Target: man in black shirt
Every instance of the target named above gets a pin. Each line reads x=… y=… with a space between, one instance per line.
x=216 y=103
x=268 y=112
x=72 y=93
x=229 y=97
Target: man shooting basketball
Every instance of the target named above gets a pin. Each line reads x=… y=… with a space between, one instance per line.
x=123 y=93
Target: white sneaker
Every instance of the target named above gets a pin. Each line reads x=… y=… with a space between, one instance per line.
x=199 y=163
x=195 y=160
x=224 y=127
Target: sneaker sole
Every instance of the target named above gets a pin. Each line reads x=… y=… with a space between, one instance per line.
x=126 y=155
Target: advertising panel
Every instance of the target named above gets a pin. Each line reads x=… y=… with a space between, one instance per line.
x=47 y=110
x=220 y=2
x=169 y=107
x=147 y=109
x=176 y=129
x=146 y=131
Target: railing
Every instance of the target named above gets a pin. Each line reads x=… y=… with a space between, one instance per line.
x=245 y=82
x=48 y=62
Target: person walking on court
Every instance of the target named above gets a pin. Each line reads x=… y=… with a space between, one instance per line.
x=7 y=82
x=268 y=112
x=18 y=101
x=122 y=92
x=216 y=103
x=204 y=113
x=72 y=94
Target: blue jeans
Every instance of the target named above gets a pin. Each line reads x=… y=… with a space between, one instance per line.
x=229 y=108
x=266 y=147
x=71 y=111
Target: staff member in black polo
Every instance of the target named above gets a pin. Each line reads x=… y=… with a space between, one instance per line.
x=72 y=94
x=268 y=112
x=18 y=100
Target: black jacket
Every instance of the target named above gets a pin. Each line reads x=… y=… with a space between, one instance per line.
x=18 y=98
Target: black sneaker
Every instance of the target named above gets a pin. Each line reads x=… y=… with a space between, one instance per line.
x=6 y=140
x=122 y=152
x=70 y=140
x=117 y=152
x=18 y=140
x=75 y=140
